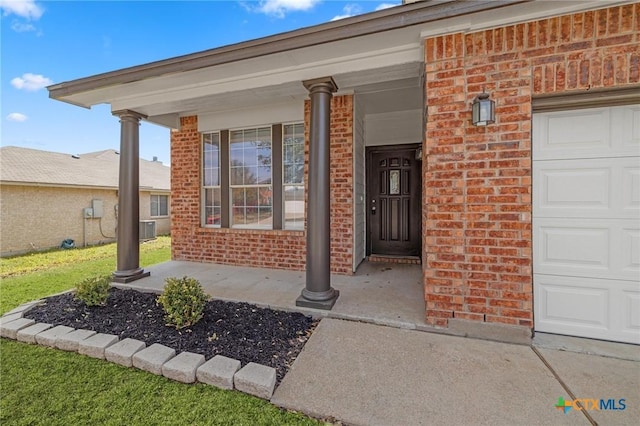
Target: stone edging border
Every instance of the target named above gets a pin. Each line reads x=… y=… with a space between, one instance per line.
x=186 y=367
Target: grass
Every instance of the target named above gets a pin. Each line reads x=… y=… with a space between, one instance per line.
x=46 y=386
x=32 y=276
x=39 y=261
x=41 y=386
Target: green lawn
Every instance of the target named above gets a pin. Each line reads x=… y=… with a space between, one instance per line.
x=45 y=386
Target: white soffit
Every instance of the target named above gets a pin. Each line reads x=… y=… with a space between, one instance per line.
x=380 y=50
x=252 y=117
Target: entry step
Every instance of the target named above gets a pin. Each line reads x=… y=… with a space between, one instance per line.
x=385 y=258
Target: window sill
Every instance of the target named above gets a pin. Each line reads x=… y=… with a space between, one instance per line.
x=254 y=231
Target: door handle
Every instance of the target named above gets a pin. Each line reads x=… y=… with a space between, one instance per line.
x=373 y=207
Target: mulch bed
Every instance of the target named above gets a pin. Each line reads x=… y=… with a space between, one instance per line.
x=236 y=330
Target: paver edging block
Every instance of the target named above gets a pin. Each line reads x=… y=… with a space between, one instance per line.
x=183 y=367
x=256 y=379
x=123 y=351
x=152 y=358
x=70 y=342
x=10 y=328
x=49 y=337
x=95 y=345
x=28 y=335
x=7 y=318
x=218 y=371
x=24 y=308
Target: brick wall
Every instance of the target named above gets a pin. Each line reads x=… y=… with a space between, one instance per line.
x=477 y=191
x=260 y=248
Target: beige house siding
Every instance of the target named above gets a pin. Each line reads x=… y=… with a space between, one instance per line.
x=40 y=217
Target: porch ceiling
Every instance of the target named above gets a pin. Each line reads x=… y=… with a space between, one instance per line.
x=377 y=85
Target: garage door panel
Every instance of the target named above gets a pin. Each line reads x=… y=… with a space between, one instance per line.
x=587 y=307
x=587 y=133
x=589 y=302
x=591 y=188
x=572 y=131
x=630 y=259
x=631 y=189
x=603 y=248
x=625 y=127
x=631 y=321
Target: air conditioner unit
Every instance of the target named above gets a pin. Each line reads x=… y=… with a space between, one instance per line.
x=147 y=230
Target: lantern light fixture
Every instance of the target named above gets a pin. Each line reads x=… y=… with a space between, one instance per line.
x=483 y=110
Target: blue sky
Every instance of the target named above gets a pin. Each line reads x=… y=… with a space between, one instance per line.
x=48 y=42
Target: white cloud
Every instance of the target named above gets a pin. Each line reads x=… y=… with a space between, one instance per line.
x=279 y=8
x=382 y=6
x=28 y=9
x=21 y=27
x=31 y=82
x=16 y=116
x=348 y=11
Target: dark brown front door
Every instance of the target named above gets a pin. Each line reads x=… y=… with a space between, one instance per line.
x=394 y=194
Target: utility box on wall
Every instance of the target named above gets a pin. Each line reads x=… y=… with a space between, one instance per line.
x=147 y=230
x=98 y=208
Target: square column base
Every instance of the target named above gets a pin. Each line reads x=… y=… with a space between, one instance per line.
x=125 y=280
x=318 y=304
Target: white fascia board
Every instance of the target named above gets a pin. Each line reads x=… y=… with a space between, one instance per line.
x=241 y=81
x=511 y=15
x=252 y=117
x=171 y=121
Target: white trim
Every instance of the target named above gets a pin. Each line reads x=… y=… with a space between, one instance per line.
x=251 y=118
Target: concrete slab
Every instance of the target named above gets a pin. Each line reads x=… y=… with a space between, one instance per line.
x=152 y=358
x=69 y=342
x=183 y=367
x=123 y=351
x=218 y=371
x=28 y=335
x=256 y=379
x=383 y=293
x=596 y=377
x=95 y=345
x=367 y=374
x=582 y=345
x=10 y=329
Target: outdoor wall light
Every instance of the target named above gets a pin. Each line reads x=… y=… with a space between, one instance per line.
x=483 y=110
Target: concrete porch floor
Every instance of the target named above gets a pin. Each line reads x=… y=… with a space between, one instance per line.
x=379 y=293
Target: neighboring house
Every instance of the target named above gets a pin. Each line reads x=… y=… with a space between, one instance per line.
x=530 y=222
x=48 y=197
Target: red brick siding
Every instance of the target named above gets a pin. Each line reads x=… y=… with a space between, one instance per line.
x=477 y=180
x=259 y=248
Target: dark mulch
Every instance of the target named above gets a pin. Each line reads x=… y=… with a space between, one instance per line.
x=236 y=330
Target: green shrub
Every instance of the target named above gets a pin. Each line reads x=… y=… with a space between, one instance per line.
x=94 y=291
x=183 y=301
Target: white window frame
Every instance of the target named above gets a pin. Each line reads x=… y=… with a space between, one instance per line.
x=247 y=186
x=158 y=204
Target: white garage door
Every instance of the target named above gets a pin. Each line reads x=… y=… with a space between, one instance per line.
x=586 y=222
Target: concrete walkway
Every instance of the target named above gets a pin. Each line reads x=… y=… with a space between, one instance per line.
x=364 y=372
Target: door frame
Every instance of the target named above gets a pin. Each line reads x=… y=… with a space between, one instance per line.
x=369 y=152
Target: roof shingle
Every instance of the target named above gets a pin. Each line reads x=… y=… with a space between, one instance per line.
x=99 y=169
